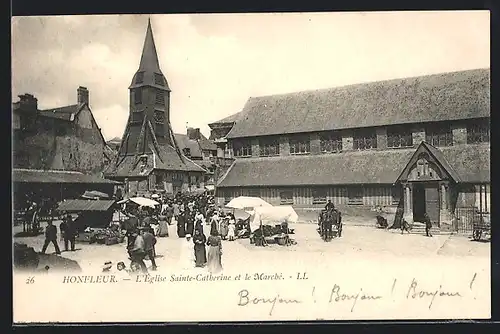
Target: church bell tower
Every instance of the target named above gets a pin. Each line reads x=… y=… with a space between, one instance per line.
x=148 y=125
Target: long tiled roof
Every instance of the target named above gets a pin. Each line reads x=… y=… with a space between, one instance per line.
x=55 y=176
x=438 y=97
x=470 y=162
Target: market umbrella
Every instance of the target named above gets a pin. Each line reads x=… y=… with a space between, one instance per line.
x=244 y=202
x=144 y=201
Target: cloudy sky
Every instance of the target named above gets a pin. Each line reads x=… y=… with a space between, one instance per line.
x=215 y=62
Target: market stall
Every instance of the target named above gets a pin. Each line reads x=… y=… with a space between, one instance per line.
x=93 y=220
x=269 y=224
x=242 y=208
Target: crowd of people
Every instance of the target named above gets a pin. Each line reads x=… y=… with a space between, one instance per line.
x=189 y=214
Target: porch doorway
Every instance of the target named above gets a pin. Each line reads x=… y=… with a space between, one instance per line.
x=426 y=199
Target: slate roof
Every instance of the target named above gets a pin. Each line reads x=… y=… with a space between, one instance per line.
x=149 y=66
x=167 y=159
x=437 y=97
x=195 y=147
x=230 y=119
x=470 y=162
x=55 y=176
x=76 y=205
x=62 y=113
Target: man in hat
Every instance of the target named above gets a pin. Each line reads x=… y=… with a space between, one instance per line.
x=68 y=232
x=50 y=236
x=329 y=205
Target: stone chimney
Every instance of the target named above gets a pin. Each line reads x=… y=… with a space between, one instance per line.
x=194 y=134
x=82 y=95
x=28 y=102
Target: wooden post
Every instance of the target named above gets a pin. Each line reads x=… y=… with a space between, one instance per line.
x=480 y=202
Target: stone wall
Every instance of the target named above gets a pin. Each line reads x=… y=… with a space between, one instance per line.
x=46 y=151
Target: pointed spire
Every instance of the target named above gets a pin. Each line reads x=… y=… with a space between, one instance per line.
x=149 y=58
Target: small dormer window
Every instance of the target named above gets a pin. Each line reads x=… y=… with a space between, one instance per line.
x=139 y=78
x=159 y=79
x=186 y=151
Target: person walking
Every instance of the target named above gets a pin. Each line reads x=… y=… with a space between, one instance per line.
x=176 y=210
x=186 y=259
x=231 y=229
x=214 y=258
x=200 y=252
x=137 y=250
x=181 y=225
x=190 y=224
x=428 y=225
x=50 y=237
x=68 y=232
x=149 y=246
x=214 y=226
x=224 y=229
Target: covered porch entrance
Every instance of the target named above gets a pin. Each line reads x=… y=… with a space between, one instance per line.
x=427 y=181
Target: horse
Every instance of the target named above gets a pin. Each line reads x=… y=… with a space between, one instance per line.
x=327 y=219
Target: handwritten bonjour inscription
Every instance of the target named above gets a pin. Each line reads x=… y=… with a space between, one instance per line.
x=339 y=295
x=248 y=298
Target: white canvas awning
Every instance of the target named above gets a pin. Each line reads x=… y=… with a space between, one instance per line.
x=245 y=202
x=272 y=215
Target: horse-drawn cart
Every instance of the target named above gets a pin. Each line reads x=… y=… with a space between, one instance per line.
x=481 y=228
x=330 y=224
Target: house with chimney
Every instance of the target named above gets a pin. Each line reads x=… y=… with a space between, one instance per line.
x=58 y=153
x=412 y=145
x=200 y=150
x=65 y=138
x=150 y=159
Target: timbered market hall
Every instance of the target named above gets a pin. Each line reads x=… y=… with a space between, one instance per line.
x=416 y=145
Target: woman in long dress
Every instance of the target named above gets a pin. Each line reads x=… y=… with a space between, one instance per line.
x=214 y=253
x=231 y=229
x=200 y=253
x=190 y=224
x=224 y=227
x=214 y=229
x=181 y=226
x=187 y=253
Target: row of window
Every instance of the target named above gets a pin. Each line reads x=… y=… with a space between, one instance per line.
x=157 y=76
x=363 y=140
x=354 y=196
x=160 y=178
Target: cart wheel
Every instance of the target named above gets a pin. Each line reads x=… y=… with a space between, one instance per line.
x=476 y=235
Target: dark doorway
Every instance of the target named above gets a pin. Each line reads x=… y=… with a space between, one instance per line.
x=426 y=199
x=432 y=202
x=418 y=202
